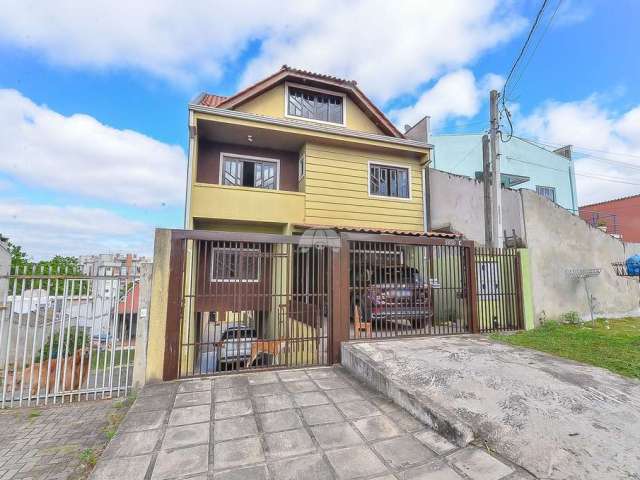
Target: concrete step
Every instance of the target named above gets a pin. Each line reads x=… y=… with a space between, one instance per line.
x=436 y=416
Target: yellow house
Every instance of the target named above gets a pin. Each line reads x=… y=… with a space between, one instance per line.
x=295 y=151
x=300 y=149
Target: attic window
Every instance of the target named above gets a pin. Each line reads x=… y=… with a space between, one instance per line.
x=315 y=105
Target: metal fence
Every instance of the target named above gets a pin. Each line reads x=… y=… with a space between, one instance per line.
x=246 y=301
x=66 y=336
x=420 y=286
x=499 y=290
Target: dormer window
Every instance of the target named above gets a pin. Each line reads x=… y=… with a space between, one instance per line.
x=315 y=104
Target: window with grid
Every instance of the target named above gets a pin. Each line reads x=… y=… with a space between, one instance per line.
x=389 y=181
x=235 y=265
x=249 y=173
x=547 y=192
x=315 y=105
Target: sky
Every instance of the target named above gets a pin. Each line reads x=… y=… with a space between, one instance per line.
x=94 y=95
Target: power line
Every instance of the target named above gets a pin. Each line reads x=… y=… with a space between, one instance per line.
x=580 y=148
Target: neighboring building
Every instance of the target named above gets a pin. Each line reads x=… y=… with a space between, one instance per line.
x=299 y=149
x=523 y=165
x=619 y=217
x=110 y=265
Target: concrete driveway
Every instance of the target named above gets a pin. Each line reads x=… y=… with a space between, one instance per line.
x=556 y=418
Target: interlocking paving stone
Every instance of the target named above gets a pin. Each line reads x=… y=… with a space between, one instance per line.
x=301 y=386
x=234 y=408
x=193 y=398
x=233 y=381
x=326 y=372
x=321 y=414
x=229 y=394
x=358 y=409
x=233 y=428
x=435 y=442
x=250 y=473
x=437 y=470
x=479 y=465
x=403 y=452
x=290 y=443
x=186 y=415
x=133 y=443
x=355 y=462
x=405 y=421
x=308 y=399
x=131 y=468
x=279 y=420
x=272 y=403
x=309 y=467
x=186 y=435
x=177 y=463
x=237 y=453
x=169 y=388
x=377 y=427
x=336 y=435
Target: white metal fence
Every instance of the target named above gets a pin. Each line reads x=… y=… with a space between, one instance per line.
x=66 y=336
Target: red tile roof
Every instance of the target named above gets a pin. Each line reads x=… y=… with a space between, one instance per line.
x=382 y=231
x=285 y=71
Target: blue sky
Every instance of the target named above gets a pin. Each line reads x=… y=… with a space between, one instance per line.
x=93 y=99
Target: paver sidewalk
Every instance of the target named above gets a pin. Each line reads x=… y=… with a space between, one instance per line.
x=46 y=443
x=316 y=423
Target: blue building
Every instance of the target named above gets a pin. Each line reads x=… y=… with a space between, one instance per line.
x=523 y=165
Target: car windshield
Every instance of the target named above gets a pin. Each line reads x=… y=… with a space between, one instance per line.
x=238 y=333
x=396 y=275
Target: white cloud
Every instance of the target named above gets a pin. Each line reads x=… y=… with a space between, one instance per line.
x=78 y=154
x=47 y=230
x=611 y=137
x=389 y=47
x=455 y=94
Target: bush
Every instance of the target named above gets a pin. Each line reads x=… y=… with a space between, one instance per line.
x=69 y=335
x=572 y=318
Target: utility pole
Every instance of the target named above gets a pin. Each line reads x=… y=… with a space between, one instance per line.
x=496 y=184
x=486 y=183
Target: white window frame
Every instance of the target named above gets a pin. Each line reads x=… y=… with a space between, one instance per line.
x=319 y=90
x=234 y=280
x=224 y=155
x=555 y=196
x=387 y=197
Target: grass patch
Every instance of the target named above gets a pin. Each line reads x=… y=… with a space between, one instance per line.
x=88 y=457
x=610 y=344
x=33 y=414
x=122 y=357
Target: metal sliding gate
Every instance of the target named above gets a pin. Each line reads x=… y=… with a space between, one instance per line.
x=66 y=336
x=243 y=301
x=247 y=301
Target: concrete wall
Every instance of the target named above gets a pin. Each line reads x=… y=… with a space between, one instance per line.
x=142 y=326
x=458 y=202
x=559 y=241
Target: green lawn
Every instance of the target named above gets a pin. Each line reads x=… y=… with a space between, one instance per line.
x=121 y=356
x=616 y=348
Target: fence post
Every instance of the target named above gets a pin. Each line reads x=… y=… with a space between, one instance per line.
x=174 y=309
x=339 y=330
x=473 y=289
x=142 y=326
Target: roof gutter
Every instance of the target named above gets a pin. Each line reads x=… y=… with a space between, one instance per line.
x=301 y=124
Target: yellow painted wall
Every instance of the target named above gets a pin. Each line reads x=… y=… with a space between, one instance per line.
x=337 y=190
x=271 y=104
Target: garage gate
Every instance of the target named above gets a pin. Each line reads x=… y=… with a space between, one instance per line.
x=243 y=301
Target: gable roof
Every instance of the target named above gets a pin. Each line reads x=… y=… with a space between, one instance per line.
x=309 y=78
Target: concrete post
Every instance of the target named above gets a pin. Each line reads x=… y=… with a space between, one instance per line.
x=158 y=306
x=142 y=329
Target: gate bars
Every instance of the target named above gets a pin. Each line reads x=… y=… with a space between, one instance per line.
x=65 y=336
x=242 y=301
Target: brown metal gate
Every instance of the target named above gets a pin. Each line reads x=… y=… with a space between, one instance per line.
x=242 y=301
